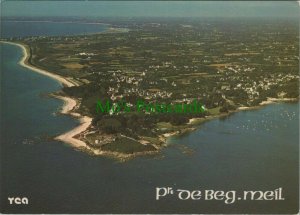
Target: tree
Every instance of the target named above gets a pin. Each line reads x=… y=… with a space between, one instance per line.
x=110 y=125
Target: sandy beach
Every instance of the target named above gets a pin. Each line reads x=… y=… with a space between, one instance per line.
x=69 y=103
x=273 y=100
x=267 y=102
x=23 y=62
x=68 y=137
x=68 y=108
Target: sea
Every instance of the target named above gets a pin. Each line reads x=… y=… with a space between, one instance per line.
x=254 y=150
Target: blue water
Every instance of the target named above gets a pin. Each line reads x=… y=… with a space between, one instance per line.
x=24 y=29
x=250 y=150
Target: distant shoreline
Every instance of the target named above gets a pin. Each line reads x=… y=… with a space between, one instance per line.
x=63 y=22
x=109 y=27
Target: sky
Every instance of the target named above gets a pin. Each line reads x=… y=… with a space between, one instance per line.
x=151 y=8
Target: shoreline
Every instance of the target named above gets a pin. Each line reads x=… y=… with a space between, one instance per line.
x=24 y=62
x=63 y=22
x=68 y=106
x=193 y=126
x=269 y=100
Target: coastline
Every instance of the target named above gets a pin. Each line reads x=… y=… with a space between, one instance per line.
x=24 y=62
x=269 y=100
x=69 y=107
x=69 y=103
x=68 y=22
x=197 y=121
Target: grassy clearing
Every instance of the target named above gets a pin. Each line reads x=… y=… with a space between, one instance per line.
x=127 y=146
x=214 y=111
x=73 y=65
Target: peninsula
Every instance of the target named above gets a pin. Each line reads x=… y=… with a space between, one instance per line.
x=171 y=61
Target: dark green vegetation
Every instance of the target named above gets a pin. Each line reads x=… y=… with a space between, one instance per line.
x=142 y=106
x=223 y=64
x=128 y=146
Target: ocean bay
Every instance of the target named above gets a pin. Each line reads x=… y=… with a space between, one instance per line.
x=48 y=28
